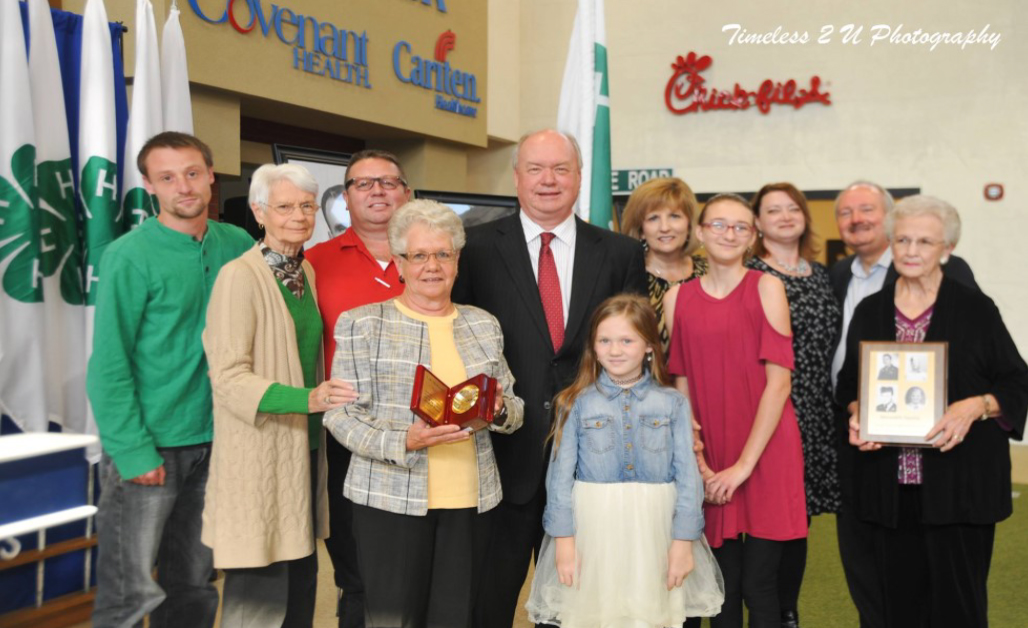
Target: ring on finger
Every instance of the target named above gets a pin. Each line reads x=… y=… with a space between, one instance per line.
x=328 y=398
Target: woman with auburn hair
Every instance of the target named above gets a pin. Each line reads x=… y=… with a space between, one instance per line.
x=660 y=213
x=785 y=248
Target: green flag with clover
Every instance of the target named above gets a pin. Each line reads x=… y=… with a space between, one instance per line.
x=60 y=259
x=21 y=287
x=145 y=118
x=584 y=110
x=98 y=153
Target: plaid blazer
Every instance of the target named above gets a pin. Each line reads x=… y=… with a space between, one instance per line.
x=378 y=350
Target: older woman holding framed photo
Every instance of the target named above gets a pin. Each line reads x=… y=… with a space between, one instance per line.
x=935 y=509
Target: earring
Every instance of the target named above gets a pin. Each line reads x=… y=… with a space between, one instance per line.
x=649 y=357
x=945 y=258
x=760 y=234
x=260 y=226
x=402 y=280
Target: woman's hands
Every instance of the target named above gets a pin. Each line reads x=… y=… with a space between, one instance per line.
x=679 y=563
x=565 y=556
x=498 y=405
x=723 y=484
x=330 y=394
x=956 y=423
x=855 y=440
x=421 y=435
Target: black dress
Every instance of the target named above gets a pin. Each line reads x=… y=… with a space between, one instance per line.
x=815 y=317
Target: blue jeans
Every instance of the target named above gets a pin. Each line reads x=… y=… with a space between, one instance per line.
x=140 y=526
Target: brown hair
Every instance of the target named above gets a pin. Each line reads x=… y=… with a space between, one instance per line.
x=373 y=153
x=808 y=246
x=643 y=318
x=655 y=194
x=176 y=140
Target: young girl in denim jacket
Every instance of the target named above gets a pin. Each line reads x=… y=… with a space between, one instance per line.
x=623 y=519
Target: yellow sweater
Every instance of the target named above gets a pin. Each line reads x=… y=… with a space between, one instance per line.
x=452 y=468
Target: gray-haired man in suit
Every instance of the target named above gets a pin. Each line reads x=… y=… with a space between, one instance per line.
x=541 y=273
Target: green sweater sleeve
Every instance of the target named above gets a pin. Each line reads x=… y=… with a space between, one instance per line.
x=121 y=300
x=282 y=399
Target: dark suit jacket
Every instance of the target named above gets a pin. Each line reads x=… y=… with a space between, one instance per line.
x=970 y=483
x=496 y=275
x=842 y=271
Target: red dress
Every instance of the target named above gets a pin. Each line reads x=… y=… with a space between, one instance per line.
x=721 y=346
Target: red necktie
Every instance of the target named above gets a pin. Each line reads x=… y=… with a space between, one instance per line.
x=549 y=291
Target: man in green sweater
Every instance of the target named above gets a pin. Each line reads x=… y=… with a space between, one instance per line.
x=148 y=384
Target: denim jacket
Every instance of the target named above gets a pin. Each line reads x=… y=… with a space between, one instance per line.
x=637 y=434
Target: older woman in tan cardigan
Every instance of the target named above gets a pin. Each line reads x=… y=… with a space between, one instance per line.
x=266 y=495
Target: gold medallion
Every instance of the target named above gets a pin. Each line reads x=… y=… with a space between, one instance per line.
x=465 y=399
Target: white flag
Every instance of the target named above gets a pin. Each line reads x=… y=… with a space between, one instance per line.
x=146 y=118
x=98 y=157
x=22 y=396
x=584 y=109
x=178 y=112
x=60 y=249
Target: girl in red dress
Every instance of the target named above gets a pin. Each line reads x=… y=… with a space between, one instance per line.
x=731 y=353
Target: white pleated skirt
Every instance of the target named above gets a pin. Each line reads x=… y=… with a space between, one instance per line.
x=622 y=537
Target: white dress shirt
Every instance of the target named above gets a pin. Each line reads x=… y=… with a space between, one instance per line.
x=863 y=284
x=563 y=247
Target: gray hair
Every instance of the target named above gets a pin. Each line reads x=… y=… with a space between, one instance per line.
x=923 y=205
x=568 y=136
x=434 y=215
x=265 y=178
x=887 y=201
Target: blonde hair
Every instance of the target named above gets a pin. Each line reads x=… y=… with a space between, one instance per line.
x=643 y=319
x=655 y=194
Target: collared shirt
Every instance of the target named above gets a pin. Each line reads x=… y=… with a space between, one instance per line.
x=638 y=434
x=862 y=285
x=347 y=275
x=563 y=247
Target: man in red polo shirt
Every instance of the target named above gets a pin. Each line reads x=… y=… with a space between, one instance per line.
x=354 y=269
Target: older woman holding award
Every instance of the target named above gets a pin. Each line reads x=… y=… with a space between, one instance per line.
x=935 y=508
x=422 y=489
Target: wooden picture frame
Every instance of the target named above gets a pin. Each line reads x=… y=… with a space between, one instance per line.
x=902 y=391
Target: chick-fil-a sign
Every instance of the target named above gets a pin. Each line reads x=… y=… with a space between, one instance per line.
x=685 y=92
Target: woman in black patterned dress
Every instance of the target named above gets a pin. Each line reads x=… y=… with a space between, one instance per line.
x=786 y=249
x=661 y=213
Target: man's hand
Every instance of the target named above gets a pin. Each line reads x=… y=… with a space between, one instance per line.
x=150 y=478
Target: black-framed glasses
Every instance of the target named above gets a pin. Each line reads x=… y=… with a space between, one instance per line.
x=308 y=208
x=720 y=227
x=365 y=184
x=420 y=257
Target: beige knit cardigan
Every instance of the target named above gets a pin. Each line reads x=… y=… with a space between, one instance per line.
x=258 y=504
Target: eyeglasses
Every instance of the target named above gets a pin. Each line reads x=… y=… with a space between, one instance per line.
x=720 y=227
x=286 y=209
x=419 y=258
x=905 y=242
x=365 y=184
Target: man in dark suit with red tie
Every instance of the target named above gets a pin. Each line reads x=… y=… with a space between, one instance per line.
x=541 y=272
